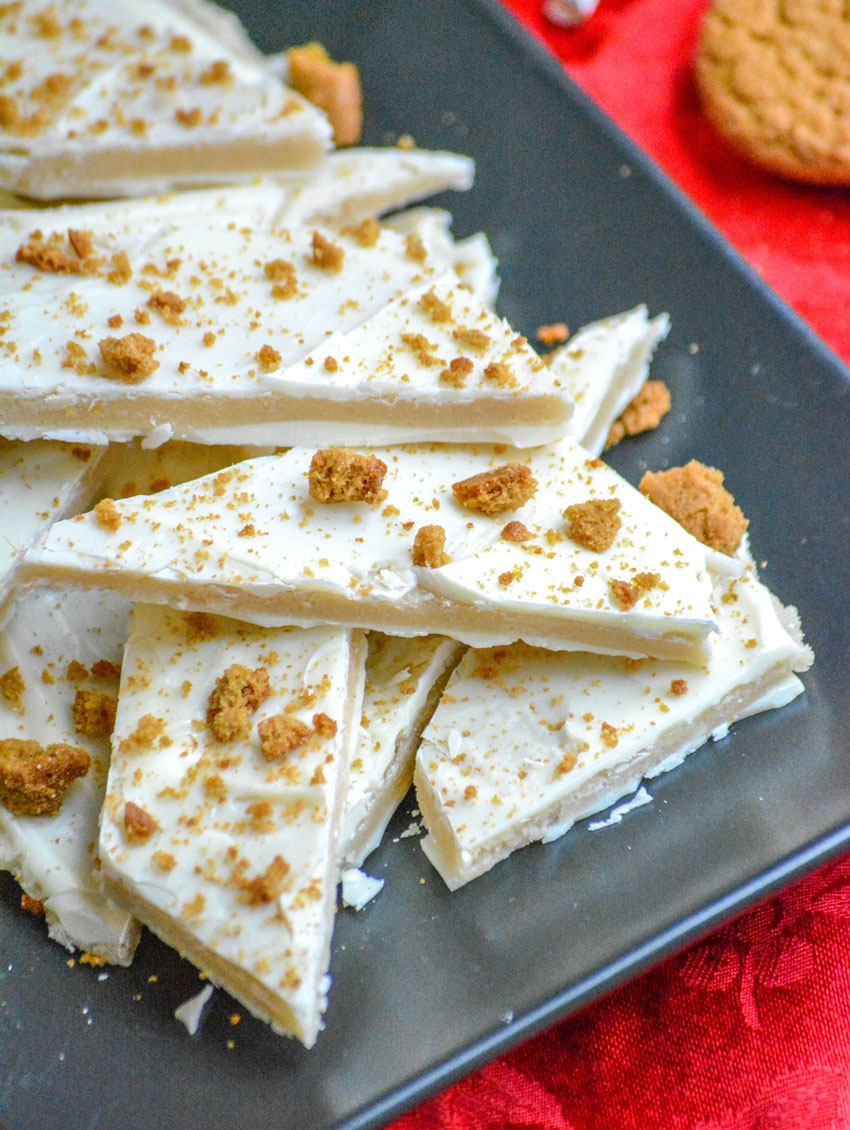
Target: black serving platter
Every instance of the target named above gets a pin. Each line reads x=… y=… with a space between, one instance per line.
x=427 y=984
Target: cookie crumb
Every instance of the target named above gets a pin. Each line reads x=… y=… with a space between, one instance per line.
x=94 y=713
x=641 y=414
x=147 y=730
x=553 y=334
x=437 y=310
x=366 y=233
x=594 y=524
x=131 y=358
x=457 y=372
x=429 y=547
x=679 y=687
x=695 y=496
x=280 y=734
x=516 y=531
x=34 y=779
x=493 y=492
x=333 y=87
x=324 y=725
x=12 y=687
x=329 y=256
x=626 y=594
x=107 y=514
x=32 y=906
x=266 y=887
x=236 y=696
x=282 y=273
x=268 y=358
x=139 y=825
x=340 y=475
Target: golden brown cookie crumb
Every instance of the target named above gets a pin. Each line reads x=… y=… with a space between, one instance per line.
x=217 y=74
x=594 y=524
x=107 y=514
x=493 y=492
x=329 y=256
x=34 y=780
x=282 y=274
x=121 y=272
x=340 y=475
x=147 y=730
x=106 y=669
x=131 y=358
x=139 y=825
x=429 y=547
x=266 y=887
x=641 y=414
x=472 y=337
x=679 y=686
x=437 y=310
x=553 y=334
x=457 y=372
x=236 y=696
x=51 y=256
x=366 y=233
x=333 y=87
x=501 y=374
x=609 y=736
x=32 y=906
x=168 y=305
x=268 y=358
x=626 y=594
x=695 y=496
x=94 y=713
x=200 y=626
x=12 y=687
x=516 y=531
x=75 y=672
x=324 y=725
x=280 y=734
x=414 y=248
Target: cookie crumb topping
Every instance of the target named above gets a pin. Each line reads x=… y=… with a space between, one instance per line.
x=130 y=358
x=34 y=779
x=516 y=531
x=94 y=713
x=695 y=496
x=493 y=492
x=340 y=475
x=281 y=734
x=641 y=414
x=139 y=825
x=329 y=256
x=236 y=696
x=429 y=547
x=594 y=524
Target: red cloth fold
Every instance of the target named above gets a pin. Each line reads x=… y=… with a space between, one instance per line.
x=750 y=1028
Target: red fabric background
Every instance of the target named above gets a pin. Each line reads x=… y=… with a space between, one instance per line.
x=749 y=1029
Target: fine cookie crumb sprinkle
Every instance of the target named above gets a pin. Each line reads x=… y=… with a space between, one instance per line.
x=493 y=492
x=429 y=547
x=340 y=475
x=268 y=359
x=33 y=780
x=236 y=696
x=263 y=888
x=626 y=594
x=695 y=496
x=457 y=372
x=594 y=524
x=12 y=687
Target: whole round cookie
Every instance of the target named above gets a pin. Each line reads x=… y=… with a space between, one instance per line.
x=774 y=78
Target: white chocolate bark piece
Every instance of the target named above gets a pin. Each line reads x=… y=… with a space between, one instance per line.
x=252 y=542
x=404 y=678
x=52 y=857
x=526 y=742
x=39 y=483
x=248 y=344
x=231 y=858
x=354 y=184
x=129 y=468
x=102 y=103
x=348 y=187
x=603 y=366
x=472 y=258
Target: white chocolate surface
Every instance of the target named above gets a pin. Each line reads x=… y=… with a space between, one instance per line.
x=225 y=813
x=403 y=678
x=53 y=858
x=526 y=742
x=39 y=482
x=114 y=126
x=252 y=543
